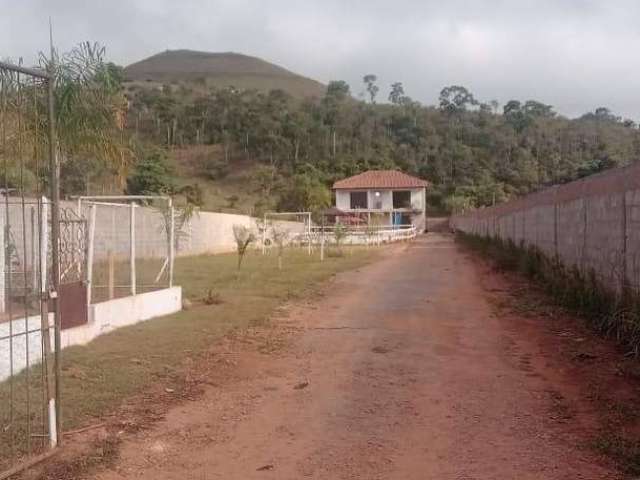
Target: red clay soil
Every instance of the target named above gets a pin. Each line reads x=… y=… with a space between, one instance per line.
x=411 y=368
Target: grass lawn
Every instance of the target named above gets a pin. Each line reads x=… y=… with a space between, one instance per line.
x=118 y=365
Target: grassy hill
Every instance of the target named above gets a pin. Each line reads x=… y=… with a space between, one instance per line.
x=234 y=193
x=220 y=70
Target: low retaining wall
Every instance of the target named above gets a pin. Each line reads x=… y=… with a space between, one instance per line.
x=104 y=317
x=592 y=224
x=107 y=316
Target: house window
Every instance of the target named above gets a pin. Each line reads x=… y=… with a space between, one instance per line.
x=359 y=200
x=402 y=199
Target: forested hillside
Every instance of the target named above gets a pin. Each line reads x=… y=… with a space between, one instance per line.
x=474 y=152
x=245 y=150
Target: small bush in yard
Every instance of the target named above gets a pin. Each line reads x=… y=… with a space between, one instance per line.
x=339 y=233
x=280 y=236
x=212 y=298
x=244 y=237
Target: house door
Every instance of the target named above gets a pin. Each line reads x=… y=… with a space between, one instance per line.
x=400 y=218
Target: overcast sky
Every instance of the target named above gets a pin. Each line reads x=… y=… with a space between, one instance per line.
x=574 y=54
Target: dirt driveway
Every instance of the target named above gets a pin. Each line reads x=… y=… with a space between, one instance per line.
x=402 y=371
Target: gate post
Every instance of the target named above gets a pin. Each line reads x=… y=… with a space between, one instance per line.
x=46 y=324
x=90 y=249
x=172 y=242
x=5 y=270
x=54 y=184
x=132 y=247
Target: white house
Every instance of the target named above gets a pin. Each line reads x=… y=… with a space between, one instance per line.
x=385 y=197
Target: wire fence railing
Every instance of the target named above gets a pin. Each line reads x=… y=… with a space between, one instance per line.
x=29 y=283
x=130 y=245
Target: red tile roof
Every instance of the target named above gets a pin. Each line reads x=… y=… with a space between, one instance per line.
x=381 y=179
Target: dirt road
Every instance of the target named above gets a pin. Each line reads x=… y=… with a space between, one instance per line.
x=402 y=371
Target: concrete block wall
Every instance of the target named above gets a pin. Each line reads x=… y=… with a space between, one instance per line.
x=632 y=198
x=205 y=232
x=592 y=224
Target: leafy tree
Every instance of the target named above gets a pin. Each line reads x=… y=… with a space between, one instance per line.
x=516 y=116
x=192 y=194
x=370 y=82
x=151 y=175
x=396 y=95
x=458 y=203
x=602 y=114
x=90 y=112
x=338 y=89
x=456 y=99
x=295 y=148
x=538 y=109
x=265 y=179
x=304 y=192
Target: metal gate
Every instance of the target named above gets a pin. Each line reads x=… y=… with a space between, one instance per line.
x=29 y=259
x=72 y=293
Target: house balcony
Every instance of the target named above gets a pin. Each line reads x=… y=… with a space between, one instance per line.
x=412 y=209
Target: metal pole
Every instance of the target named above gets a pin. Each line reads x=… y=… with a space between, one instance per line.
x=264 y=234
x=90 y=249
x=54 y=179
x=34 y=267
x=309 y=232
x=172 y=242
x=322 y=241
x=132 y=247
x=4 y=275
x=45 y=325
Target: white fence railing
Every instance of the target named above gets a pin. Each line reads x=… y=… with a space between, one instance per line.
x=363 y=235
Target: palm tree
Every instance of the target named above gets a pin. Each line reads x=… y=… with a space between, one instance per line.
x=90 y=109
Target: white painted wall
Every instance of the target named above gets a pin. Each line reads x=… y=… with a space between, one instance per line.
x=107 y=316
x=417 y=198
x=104 y=317
x=343 y=200
x=385 y=199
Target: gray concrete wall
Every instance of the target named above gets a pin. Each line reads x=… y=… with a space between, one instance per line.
x=205 y=232
x=592 y=224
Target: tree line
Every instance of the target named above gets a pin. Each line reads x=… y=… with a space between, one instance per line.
x=116 y=137
x=475 y=153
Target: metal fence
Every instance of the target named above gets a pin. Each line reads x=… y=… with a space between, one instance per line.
x=130 y=244
x=29 y=282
